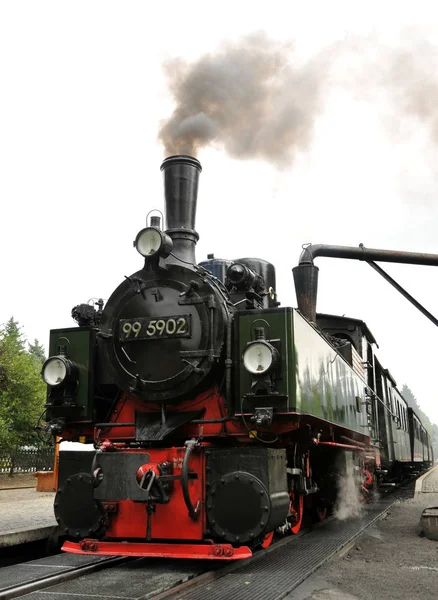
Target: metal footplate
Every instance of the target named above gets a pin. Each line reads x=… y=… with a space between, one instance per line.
x=195 y=551
x=277 y=571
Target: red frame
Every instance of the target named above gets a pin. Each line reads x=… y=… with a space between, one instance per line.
x=128 y=519
x=159 y=550
x=180 y=535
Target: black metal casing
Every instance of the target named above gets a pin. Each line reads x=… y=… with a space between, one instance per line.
x=77 y=512
x=247 y=492
x=164 y=368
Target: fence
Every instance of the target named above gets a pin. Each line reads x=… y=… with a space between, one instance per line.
x=27 y=460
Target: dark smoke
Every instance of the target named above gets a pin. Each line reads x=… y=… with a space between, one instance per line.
x=253 y=98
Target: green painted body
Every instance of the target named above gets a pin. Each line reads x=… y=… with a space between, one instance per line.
x=78 y=344
x=312 y=378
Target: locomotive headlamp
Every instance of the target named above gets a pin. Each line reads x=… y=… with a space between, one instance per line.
x=58 y=370
x=241 y=277
x=150 y=241
x=259 y=357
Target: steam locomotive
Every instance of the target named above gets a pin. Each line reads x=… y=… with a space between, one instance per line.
x=218 y=417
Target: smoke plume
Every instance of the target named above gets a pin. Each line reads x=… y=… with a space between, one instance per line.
x=400 y=82
x=413 y=83
x=253 y=98
x=348 y=498
x=348 y=503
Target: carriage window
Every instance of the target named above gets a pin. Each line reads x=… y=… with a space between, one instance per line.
x=391 y=400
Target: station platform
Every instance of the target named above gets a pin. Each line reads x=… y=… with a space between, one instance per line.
x=393 y=560
x=427 y=484
x=25 y=516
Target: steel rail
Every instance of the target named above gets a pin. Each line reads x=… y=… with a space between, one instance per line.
x=197 y=584
x=213 y=575
x=48 y=581
x=18 y=487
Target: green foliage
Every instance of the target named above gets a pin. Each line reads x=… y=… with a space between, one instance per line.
x=37 y=351
x=22 y=390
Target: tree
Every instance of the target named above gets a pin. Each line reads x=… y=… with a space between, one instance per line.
x=37 y=351
x=22 y=390
x=3 y=377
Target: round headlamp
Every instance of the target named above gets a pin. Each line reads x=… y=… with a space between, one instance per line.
x=241 y=277
x=258 y=357
x=58 y=370
x=151 y=241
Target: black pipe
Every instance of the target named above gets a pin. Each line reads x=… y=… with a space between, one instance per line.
x=403 y=292
x=193 y=510
x=306 y=280
x=367 y=254
x=181 y=178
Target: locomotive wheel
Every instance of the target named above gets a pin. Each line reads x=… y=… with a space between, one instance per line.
x=267 y=540
x=297 y=510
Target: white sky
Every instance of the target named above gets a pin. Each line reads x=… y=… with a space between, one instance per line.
x=81 y=96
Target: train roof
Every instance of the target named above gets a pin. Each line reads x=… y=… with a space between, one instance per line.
x=363 y=326
x=391 y=378
x=410 y=409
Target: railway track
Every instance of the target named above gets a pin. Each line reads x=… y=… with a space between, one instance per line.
x=18 y=487
x=291 y=559
x=24 y=578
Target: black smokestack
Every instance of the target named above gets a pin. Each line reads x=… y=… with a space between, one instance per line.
x=181 y=177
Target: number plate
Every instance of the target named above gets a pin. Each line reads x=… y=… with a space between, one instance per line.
x=145 y=328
